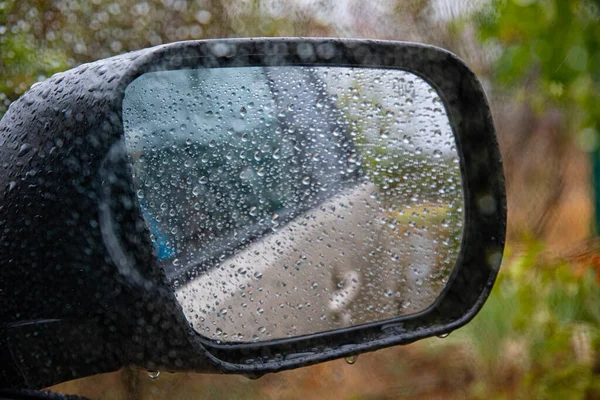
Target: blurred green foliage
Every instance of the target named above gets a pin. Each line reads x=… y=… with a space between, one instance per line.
x=538 y=334
x=41 y=37
x=551 y=49
x=22 y=62
x=541 y=325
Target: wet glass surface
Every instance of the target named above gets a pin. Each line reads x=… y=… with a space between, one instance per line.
x=285 y=201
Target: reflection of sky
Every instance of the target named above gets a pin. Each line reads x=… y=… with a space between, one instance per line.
x=391 y=102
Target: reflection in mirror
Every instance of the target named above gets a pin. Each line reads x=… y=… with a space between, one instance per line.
x=285 y=201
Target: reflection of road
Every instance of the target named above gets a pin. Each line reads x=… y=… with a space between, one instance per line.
x=341 y=264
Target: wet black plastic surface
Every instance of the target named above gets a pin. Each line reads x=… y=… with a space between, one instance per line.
x=72 y=229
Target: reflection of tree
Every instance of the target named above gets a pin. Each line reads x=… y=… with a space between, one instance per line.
x=419 y=191
x=409 y=178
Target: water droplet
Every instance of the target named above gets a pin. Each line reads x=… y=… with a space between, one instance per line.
x=24 y=149
x=444 y=335
x=203 y=180
x=351 y=359
x=153 y=374
x=243 y=111
x=306 y=180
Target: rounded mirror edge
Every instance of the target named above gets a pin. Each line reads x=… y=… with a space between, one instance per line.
x=484 y=230
x=295 y=353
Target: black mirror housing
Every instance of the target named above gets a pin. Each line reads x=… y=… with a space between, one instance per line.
x=71 y=227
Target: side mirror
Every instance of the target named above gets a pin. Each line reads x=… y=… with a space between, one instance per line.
x=244 y=206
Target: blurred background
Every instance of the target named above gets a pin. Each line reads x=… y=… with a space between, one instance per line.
x=538 y=335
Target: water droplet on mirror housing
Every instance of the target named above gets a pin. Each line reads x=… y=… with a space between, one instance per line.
x=351 y=360
x=153 y=374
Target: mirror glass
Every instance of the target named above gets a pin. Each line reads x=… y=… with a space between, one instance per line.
x=285 y=201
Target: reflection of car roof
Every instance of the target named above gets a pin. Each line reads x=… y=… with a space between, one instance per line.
x=311 y=113
x=207 y=87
